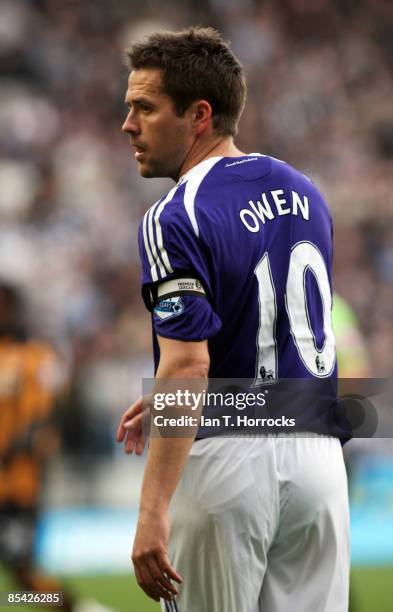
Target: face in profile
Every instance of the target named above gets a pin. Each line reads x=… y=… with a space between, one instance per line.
x=160 y=139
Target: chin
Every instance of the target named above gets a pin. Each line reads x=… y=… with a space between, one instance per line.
x=145 y=171
x=155 y=172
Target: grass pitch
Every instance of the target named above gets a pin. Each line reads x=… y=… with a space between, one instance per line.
x=372 y=591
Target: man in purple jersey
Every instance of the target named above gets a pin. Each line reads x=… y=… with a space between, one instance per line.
x=236 y=270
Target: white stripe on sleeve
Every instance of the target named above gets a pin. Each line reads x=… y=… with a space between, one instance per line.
x=155 y=250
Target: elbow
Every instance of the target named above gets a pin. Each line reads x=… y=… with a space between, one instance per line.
x=184 y=369
x=183 y=360
x=197 y=369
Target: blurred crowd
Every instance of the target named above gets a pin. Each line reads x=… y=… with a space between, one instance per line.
x=320 y=97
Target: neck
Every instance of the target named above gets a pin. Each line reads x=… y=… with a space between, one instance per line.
x=216 y=146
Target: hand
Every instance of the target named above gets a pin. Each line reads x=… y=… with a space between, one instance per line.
x=130 y=428
x=153 y=570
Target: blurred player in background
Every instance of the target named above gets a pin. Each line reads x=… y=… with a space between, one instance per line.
x=352 y=362
x=352 y=356
x=252 y=524
x=31 y=380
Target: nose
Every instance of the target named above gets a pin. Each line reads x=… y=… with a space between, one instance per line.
x=130 y=126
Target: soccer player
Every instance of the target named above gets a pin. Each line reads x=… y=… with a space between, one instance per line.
x=29 y=384
x=236 y=270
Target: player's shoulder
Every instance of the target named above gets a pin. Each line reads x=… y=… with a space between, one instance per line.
x=232 y=175
x=203 y=190
x=156 y=217
x=234 y=179
x=177 y=208
x=197 y=199
x=228 y=174
x=290 y=176
x=294 y=181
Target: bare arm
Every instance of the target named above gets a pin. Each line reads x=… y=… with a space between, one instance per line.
x=167 y=456
x=165 y=463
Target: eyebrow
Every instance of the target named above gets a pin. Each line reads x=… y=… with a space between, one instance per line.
x=139 y=100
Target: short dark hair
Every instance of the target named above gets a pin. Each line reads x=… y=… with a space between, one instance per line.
x=196 y=63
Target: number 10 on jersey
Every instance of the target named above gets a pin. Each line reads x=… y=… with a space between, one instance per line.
x=318 y=361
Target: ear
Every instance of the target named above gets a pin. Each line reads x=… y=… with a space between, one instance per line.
x=202 y=116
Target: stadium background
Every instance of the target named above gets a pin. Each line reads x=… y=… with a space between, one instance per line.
x=320 y=97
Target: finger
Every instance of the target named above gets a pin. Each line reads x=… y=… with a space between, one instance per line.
x=135 y=441
x=129 y=445
x=140 y=445
x=167 y=568
x=129 y=414
x=132 y=411
x=161 y=578
x=135 y=438
x=135 y=422
x=130 y=441
x=121 y=432
x=141 y=582
x=149 y=584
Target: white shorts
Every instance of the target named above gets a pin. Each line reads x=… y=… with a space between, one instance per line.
x=262 y=525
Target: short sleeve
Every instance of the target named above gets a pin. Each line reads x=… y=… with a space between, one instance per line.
x=185 y=317
x=170 y=249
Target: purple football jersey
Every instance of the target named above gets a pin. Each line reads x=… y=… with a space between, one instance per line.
x=257 y=235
